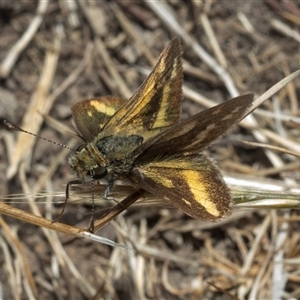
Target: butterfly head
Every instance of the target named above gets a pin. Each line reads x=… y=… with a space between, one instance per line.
x=88 y=163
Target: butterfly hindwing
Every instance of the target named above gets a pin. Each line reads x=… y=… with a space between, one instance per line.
x=91 y=115
x=192 y=184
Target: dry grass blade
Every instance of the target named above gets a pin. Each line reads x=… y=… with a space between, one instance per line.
x=164 y=12
x=285 y=29
x=274 y=89
x=93 y=15
x=131 y=31
x=37 y=220
x=213 y=40
x=276 y=148
x=8 y=63
x=32 y=120
x=25 y=269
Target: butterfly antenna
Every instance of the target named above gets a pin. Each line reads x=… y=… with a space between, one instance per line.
x=92 y=221
x=11 y=126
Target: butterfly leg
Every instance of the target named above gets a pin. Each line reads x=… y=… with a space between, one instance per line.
x=67 y=197
x=108 y=189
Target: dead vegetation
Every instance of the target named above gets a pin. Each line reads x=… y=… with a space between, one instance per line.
x=55 y=54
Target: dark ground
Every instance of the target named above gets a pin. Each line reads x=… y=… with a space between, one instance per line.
x=177 y=257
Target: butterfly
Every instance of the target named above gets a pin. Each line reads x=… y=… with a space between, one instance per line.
x=143 y=141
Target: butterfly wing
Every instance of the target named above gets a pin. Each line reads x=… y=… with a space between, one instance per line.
x=192 y=184
x=196 y=133
x=157 y=102
x=91 y=115
x=172 y=167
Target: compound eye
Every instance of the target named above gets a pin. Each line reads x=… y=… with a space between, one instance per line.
x=99 y=173
x=79 y=148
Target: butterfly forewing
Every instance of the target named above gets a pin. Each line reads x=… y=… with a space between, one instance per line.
x=196 y=133
x=157 y=102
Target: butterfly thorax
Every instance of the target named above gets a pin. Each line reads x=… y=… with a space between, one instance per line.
x=107 y=157
x=117 y=150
